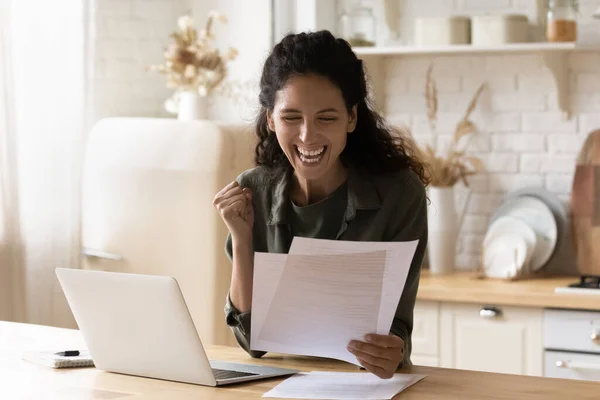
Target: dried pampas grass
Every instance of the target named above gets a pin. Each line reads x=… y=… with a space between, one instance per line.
x=455 y=165
x=191 y=63
x=431 y=100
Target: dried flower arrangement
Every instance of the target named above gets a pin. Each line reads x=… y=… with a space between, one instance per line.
x=447 y=169
x=191 y=62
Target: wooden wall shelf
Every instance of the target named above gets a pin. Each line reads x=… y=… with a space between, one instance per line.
x=554 y=56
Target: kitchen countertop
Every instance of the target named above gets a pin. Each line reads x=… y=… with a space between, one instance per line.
x=467 y=287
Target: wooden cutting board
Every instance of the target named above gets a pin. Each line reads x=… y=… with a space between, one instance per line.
x=585 y=207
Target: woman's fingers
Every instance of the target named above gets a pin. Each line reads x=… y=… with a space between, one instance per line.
x=381 y=355
x=375 y=370
x=229 y=191
x=229 y=186
x=236 y=191
x=385 y=340
x=236 y=203
x=247 y=192
x=374 y=350
x=371 y=359
x=231 y=200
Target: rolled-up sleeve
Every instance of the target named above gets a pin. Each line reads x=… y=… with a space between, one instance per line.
x=240 y=324
x=414 y=226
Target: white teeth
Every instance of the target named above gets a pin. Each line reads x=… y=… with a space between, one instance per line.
x=311 y=152
x=311 y=156
x=310 y=160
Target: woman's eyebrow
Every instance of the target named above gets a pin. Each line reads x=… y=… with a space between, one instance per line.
x=293 y=110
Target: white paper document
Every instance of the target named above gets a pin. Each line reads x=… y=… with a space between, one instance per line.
x=268 y=268
x=325 y=293
x=397 y=265
x=342 y=385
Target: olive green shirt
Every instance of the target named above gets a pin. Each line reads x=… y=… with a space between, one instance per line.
x=380 y=208
x=322 y=219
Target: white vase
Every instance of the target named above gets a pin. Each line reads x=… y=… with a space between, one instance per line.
x=192 y=106
x=443 y=225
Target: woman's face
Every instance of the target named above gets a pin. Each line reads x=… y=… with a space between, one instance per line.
x=311 y=123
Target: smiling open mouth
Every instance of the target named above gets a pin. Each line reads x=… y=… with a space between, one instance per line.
x=311 y=156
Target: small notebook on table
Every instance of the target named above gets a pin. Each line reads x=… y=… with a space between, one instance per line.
x=53 y=360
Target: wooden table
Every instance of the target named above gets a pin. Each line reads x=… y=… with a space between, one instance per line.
x=23 y=380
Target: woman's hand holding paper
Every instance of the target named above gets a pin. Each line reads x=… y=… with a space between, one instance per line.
x=379 y=354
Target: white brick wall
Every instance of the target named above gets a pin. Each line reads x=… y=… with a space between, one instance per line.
x=544 y=163
x=523 y=140
x=483 y=203
x=500 y=162
x=518 y=142
x=474 y=224
x=130 y=35
x=547 y=121
x=589 y=122
x=564 y=143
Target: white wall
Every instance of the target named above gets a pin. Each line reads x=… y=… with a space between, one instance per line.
x=130 y=35
x=249 y=30
x=523 y=140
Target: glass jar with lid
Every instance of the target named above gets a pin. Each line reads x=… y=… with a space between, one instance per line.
x=562 y=20
x=358 y=27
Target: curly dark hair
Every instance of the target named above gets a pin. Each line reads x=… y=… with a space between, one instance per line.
x=373 y=146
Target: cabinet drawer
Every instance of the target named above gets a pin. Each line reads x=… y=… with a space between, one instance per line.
x=567 y=365
x=492 y=339
x=572 y=330
x=425 y=341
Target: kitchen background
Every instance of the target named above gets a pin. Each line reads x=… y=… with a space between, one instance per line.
x=547 y=326
x=522 y=139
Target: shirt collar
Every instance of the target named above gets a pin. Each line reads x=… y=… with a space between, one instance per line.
x=362 y=195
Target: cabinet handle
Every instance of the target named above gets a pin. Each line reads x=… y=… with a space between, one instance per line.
x=595 y=336
x=100 y=254
x=577 y=365
x=490 y=312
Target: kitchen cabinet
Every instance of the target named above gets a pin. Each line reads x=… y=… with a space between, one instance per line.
x=572 y=330
x=477 y=337
x=566 y=365
x=492 y=339
x=572 y=344
x=533 y=329
x=425 y=336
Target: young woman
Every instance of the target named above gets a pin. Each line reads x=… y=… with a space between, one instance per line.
x=326 y=167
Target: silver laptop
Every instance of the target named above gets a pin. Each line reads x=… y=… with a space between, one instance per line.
x=140 y=325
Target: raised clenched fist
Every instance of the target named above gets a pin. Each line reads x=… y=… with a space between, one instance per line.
x=234 y=203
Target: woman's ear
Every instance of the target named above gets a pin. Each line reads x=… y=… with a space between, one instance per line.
x=353 y=118
x=270 y=121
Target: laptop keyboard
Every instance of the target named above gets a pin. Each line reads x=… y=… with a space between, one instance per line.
x=222 y=374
